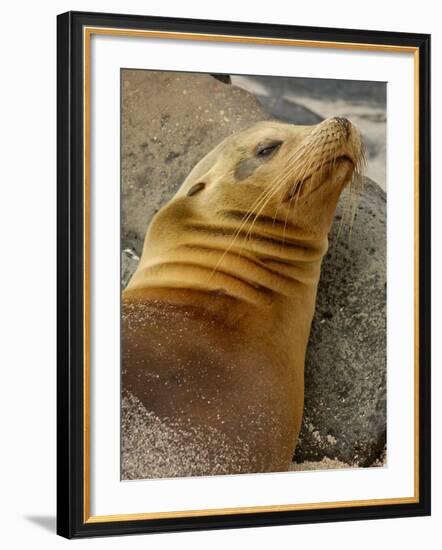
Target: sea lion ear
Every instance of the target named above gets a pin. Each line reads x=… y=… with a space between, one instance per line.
x=196 y=188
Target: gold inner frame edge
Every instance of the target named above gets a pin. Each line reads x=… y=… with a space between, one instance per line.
x=87 y=33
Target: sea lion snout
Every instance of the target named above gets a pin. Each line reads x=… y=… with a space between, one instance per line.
x=337 y=129
x=330 y=154
x=344 y=123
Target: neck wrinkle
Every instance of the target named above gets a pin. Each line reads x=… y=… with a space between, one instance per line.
x=240 y=275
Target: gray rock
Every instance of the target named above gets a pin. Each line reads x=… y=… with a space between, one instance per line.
x=327 y=89
x=169 y=122
x=345 y=376
x=288 y=111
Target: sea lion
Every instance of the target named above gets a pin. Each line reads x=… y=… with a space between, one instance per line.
x=217 y=315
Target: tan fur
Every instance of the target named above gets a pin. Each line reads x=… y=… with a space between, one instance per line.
x=217 y=316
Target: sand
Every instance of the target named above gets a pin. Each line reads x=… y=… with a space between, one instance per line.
x=150 y=448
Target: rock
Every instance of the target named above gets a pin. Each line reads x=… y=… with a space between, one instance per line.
x=345 y=376
x=129 y=262
x=326 y=89
x=170 y=121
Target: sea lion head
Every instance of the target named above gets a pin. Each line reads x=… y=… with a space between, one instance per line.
x=267 y=193
x=286 y=172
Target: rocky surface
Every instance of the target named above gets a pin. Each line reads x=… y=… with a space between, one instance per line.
x=288 y=111
x=169 y=122
x=345 y=376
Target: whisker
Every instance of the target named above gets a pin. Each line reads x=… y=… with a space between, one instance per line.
x=241 y=226
x=318 y=151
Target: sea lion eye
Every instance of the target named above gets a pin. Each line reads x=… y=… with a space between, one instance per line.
x=264 y=150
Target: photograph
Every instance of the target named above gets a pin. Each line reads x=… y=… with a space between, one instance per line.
x=253 y=274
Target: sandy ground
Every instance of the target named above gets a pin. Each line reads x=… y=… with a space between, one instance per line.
x=324 y=464
x=149 y=445
x=333 y=464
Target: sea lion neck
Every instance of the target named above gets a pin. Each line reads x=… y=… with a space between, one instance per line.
x=262 y=274
x=255 y=265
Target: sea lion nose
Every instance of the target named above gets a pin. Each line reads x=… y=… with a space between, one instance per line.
x=344 y=123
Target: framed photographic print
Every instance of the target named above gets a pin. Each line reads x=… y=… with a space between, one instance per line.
x=243 y=274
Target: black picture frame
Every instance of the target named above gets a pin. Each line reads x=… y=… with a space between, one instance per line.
x=72 y=521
